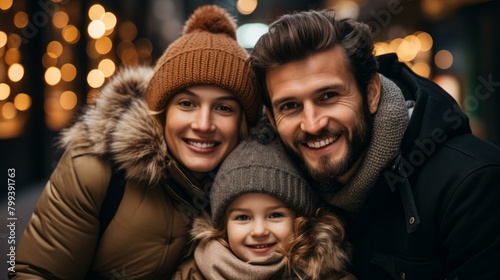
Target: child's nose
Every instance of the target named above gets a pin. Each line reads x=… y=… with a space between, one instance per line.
x=259 y=229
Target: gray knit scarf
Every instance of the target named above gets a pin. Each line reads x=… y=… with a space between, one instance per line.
x=216 y=262
x=389 y=125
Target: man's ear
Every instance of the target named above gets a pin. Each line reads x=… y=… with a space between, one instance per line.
x=373 y=94
x=270 y=117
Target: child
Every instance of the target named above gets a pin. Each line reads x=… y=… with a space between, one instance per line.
x=266 y=223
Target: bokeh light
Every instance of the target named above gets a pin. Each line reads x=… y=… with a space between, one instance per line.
x=421 y=68
x=6 y=4
x=21 y=19
x=14 y=41
x=22 y=102
x=4 y=91
x=71 y=34
x=95 y=78
x=60 y=19
x=246 y=7
x=15 y=72
x=96 y=29
x=425 y=41
x=54 y=49
x=48 y=61
x=68 y=100
x=3 y=39
x=12 y=56
x=109 y=20
x=52 y=76
x=144 y=47
x=127 y=31
x=443 y=59
x=107 y=67
x=68 y=72
x=9 y=110
x=103 y=45
x=96 y=12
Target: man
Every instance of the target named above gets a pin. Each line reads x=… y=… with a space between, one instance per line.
x=391 y=149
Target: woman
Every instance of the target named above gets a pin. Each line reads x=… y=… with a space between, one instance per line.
x=202 y=96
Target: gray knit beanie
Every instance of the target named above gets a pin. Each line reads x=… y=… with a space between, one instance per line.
x=254 y=167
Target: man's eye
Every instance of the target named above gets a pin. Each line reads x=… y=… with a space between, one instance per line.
x=328 y=95
x=289 y=106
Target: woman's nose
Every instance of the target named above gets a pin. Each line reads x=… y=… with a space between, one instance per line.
x=203 y=121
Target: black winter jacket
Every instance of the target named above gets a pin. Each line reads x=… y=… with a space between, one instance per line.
x=434 y=212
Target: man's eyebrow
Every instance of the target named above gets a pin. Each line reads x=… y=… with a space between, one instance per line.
x=335 y=86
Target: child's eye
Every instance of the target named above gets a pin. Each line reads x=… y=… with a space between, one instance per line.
x=242 y=218
x=276 y=215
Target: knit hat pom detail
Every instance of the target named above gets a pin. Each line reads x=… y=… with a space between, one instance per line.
x=213 y=19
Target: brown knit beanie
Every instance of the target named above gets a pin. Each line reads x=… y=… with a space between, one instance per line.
x=206 y=54
x=254 y=167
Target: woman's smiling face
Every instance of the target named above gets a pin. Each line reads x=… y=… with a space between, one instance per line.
x=202 y=127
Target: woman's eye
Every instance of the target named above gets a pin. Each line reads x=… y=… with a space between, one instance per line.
x=186 y=104
x=224 y=108
x=242 y=218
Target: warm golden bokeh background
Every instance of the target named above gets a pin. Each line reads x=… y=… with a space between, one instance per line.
x=56 y=54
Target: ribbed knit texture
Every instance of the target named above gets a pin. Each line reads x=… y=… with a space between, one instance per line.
x=390 y=123
x=216 y=262
x=262 y=168
x=206 y=54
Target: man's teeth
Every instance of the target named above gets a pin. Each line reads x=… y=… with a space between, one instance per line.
x=321 y=144
x=201 y=145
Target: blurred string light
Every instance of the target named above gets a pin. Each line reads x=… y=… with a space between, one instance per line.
x=6 y=4
x=246 y=7
x=15 y=72
x=249 y=33
x=344 y=8
x=451 y=85
x=4 y=91
x=22 y=102
x=59 y=61
x=110 y=44
x=413 y=49
x=3 y=39
x=443 y=59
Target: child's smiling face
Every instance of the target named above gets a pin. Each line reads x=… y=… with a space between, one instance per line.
x=258 y=224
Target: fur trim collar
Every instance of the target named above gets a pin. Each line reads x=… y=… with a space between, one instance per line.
x=119 y=128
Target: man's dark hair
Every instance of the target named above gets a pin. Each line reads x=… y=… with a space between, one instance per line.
x=298 y=35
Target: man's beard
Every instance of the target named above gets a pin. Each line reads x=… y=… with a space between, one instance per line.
x=325 y=171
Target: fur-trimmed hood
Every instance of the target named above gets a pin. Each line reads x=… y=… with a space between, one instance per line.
x=119 y=127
